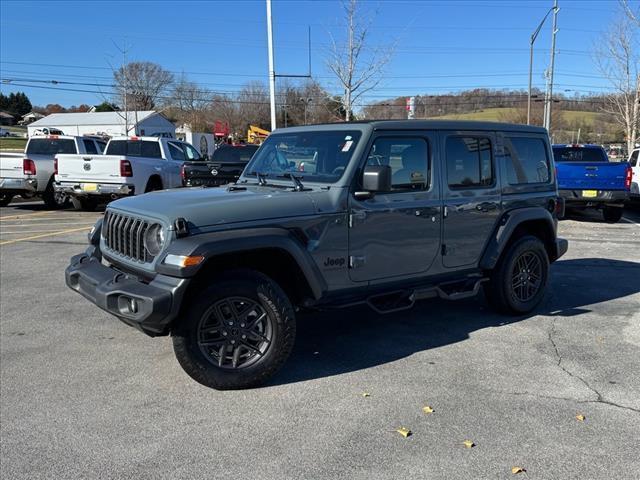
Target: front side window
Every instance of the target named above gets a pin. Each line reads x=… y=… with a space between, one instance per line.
x=315 y=156
x=191 y=153
x=526 y=160
x=408 y=159
x=469 y=162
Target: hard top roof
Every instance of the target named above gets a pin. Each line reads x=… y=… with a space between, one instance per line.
x=422 y=125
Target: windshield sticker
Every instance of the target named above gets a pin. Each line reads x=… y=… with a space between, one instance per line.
x=347 y=145
x=348 y=137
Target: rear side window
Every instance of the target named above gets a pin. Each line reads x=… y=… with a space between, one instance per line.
x=89 y=146
x=408 y=159
x=134 y=148
x=176 y=152
x=469 y=162
x=526 y=160
x=51 y=146
x=101 y=146
x=579 y=154
x=634 y=158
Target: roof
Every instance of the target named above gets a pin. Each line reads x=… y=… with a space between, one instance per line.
x=92 y=118
x=576 y=145
x=428 y=125
x=33 y=114
x=5 y=115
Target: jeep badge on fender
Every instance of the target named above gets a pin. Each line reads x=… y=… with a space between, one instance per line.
x=434 y=208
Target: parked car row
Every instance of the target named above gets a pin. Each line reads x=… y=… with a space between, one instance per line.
x=89 y=171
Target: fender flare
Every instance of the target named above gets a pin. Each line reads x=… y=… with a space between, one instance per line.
x=215 y=244
x=505 y=228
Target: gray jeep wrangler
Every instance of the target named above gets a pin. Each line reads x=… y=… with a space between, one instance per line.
x=383 y=213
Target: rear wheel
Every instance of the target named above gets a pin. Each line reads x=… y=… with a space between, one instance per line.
x=612 y=214
x=87 y=204
x=518 y=282
x=153 y=184
x=54 y=200
x=5 y=199
x=237 y=333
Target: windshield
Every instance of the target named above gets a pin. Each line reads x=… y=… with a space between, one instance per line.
x=50 y=146
x=234 y=154
x=314 y=156
x=579 y=154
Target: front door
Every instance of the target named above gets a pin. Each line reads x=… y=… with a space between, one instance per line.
x=397 y=233
x=471 y=196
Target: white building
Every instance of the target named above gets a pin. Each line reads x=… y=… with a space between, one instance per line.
x=107 y=123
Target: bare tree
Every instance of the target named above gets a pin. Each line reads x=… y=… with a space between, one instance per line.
x=141 y=84
x=617 y=57
x=189 y=103
x=634 y=16
x=357 y=70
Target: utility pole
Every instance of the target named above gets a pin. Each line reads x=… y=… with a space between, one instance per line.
x=549 y=95
x=532 y=40
x=272 y=73
x=306 y=102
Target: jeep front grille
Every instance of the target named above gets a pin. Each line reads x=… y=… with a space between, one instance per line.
x=124 y=235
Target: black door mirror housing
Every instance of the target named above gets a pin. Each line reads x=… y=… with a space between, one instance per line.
x=376 y=178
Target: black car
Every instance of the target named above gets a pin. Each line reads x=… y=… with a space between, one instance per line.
x=225 y=166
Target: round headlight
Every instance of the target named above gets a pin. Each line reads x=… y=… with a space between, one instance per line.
x=154 y=239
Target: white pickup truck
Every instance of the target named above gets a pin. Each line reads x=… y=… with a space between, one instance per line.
x=129 y=166
x=31 y=173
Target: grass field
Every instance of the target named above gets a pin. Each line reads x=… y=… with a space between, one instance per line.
x=12 y=143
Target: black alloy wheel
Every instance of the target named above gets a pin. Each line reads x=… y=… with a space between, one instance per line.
x=234 y=333
x=526 y=276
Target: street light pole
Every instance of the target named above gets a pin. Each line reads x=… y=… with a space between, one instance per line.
x=306 y=102
x=534 y=35
x=551 y=67
x=272 y=73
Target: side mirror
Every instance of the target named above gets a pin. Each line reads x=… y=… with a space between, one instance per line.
x=376 y=178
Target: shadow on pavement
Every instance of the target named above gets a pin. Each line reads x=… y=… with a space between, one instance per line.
x=357 y=338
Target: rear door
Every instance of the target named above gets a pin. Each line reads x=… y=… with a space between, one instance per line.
x=397 y=233
x=471 y=196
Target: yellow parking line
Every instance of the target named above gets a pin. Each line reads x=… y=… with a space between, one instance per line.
x=7 y=217
x=61 y=232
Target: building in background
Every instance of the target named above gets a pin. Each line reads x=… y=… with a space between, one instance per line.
x=6 y=118
x=30 y=117
x=143 y=123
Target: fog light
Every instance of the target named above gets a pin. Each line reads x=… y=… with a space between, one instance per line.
x=128 y=305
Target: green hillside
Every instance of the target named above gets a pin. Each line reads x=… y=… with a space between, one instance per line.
x=499 y=114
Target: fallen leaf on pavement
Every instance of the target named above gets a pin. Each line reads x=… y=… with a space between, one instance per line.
x=405 y=432
x=366 y=394
x=427 y=409
x=515 y=470
x=580 y=417
x=469 y=444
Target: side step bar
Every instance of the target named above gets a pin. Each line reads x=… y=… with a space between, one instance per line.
x=405 y=299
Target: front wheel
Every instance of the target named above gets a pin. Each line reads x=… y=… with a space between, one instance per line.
x=518 y=282
x=237 y=333
x=612 y=214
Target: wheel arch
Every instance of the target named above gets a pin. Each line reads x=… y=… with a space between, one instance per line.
x=516 y=224
x=153 y=179
x=271 y=251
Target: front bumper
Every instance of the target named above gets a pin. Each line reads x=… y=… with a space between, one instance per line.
x=149 y=307
x=17 y=186
x=80 y=189
x=577 y=198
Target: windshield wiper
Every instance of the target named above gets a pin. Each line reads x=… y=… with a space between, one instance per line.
x=262 y=177
x=297 y=183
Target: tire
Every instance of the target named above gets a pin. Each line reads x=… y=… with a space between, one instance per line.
x=153 y=184
x=5 y=199
x=612 y=214
x=54 y=200
x=87 y=204
x=512 y=288
x=213 y=348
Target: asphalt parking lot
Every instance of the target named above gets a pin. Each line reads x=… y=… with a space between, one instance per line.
x=84 y=396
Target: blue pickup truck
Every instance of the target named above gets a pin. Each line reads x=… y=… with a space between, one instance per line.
x=587 y=179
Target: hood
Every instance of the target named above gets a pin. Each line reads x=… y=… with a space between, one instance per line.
x=210 y=207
